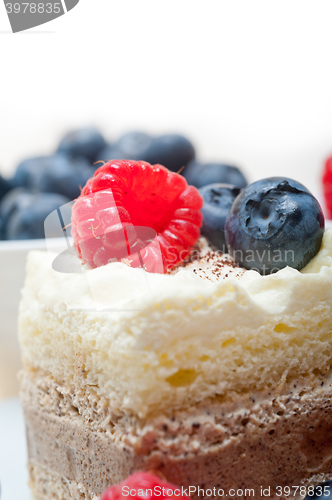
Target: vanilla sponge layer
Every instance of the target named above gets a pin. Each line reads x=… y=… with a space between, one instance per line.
x=153 y=342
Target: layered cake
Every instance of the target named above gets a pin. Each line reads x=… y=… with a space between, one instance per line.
x=213 y=375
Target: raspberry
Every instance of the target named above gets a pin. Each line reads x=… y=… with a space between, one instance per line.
x=143 y=485
x=327 y=186
x=112 y=216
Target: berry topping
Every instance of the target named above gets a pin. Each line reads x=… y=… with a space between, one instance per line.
x=201 y=174
x=218 y=200
x=327 y=186
x=143 y=485
x=121 y=199
x=274 y=223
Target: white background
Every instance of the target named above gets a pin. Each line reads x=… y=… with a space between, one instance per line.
x=250 y=81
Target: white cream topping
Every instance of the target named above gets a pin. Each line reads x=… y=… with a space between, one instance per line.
x=210 y=264
x=151 y=341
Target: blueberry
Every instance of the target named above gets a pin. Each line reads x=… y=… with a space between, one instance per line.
x=218 y=199
x=4 y=186
x=274 y=223
x=106 y=154
x=27 y=222
x=2 y=229
x=322 y=491
x=55 y=174
x=174 y=151
x=63 y=176
x=26 y=170
x=16 y=199
x=131 y=146
x=85 y=142
x=201 y=174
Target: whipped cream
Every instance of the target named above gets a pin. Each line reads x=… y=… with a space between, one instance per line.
x=209 y=264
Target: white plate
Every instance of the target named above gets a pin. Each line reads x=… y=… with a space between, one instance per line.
x=13 y=472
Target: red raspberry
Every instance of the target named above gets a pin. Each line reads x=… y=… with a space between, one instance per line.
x=143 y=485
x=125 y=196
x=327 y=186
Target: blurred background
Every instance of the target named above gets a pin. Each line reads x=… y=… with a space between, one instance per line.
x=249 y=83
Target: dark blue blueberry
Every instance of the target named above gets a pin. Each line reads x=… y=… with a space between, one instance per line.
x=201 y=174
x=2 y=229
x=54 y=174
x=109 y=153
x=322 y=491
x=28 y=222
x=4 y=186
x=274 y=223
x=174 y=151
x=218 y=200
x=131 y=146
x=16 y=199
x=26 y=170
x=106 y=154
x=63 y=176
x=85 y=142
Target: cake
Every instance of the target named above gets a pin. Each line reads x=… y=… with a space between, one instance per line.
x=215 y=376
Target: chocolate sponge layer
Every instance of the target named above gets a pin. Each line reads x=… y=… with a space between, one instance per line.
x=79 y=444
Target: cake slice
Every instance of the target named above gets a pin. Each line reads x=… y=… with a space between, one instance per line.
x=201 y=380
x=212 y=375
